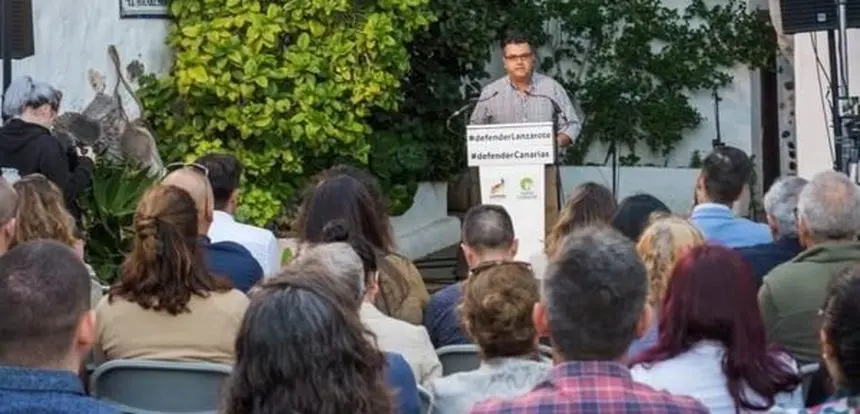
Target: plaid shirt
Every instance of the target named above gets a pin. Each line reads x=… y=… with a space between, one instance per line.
x=592 y=387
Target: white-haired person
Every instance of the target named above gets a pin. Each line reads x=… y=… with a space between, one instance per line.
x=28 y=145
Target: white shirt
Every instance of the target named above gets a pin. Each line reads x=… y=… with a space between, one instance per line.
x=698 y=373
x=260 y=242
x=411 y=341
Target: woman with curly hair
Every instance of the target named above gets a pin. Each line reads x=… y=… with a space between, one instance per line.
x=303 y=349
x=660 y=245
x=496 y=312
x=166 y=304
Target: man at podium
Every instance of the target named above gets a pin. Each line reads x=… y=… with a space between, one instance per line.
x=526 y=96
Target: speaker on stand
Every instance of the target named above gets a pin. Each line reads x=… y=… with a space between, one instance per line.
x=16 y=35
x=835 y=17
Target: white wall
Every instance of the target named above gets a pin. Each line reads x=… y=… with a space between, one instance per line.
x=814 y=124
x=72 y=37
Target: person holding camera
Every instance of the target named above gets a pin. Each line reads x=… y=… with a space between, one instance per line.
x=28 y=145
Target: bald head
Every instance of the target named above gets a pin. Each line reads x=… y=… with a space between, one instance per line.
x=197 y=185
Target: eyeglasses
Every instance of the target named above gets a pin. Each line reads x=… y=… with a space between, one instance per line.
x=481 y=268
x=524 y=56
x=192 y=165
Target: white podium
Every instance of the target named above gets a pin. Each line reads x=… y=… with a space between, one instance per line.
x=511 y=159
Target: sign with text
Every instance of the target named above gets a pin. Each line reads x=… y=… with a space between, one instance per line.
x=529 y=143
x=143 y=8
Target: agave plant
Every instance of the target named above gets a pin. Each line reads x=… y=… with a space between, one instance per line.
x=109 y=212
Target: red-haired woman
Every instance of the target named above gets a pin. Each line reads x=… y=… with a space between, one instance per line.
x=712 y=343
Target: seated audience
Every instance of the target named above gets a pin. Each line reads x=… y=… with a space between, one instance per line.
x=840 y=342
x=496 y=312
x=659 y=248
x=28 y=146
x=41 y=214
x=8 y=212
x=487 y=237
x=712 y=345
x=634 y=213
x=224 y=173
x=166 y=304
x=828 y=221
x=303 y=349
x=589 y=203
x=46 y=331
x=780 y=204
x=720 y=184
x=402 y=293
x=226 y=258
x=592 y=306
x=356 y=263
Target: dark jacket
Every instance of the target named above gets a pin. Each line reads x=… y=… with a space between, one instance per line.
x=30 y=148
x=762 y=258
x=232 y=261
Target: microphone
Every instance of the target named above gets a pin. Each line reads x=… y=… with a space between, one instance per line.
x=555 y=106
x=466 y=107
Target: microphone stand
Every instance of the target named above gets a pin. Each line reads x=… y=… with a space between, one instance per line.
x=465 y=107
x=717 y=142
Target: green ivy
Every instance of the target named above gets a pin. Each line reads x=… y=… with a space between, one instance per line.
x=636 y=62
x=284 y=85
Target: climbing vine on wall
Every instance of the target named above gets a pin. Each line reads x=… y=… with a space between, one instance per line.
x=636 y=62
x=287 y=86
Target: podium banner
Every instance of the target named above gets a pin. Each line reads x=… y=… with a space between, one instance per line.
x=511 y=159
x=520 y=189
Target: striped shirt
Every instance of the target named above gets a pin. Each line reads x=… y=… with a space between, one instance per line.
x=511 y=106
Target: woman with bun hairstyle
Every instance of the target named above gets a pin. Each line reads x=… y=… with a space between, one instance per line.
x=496 y=313
x=166 y=304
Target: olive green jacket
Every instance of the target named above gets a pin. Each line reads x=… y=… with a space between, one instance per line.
x=793 y=293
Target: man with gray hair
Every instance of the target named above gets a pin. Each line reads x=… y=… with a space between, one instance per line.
x=487 y=238
x=828 y=222
x=780 y=205
x=592 y=308
x=353 y=262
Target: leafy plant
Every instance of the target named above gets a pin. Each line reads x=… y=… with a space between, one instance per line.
x=637 y=61
x=108 y=214
x=287 y=86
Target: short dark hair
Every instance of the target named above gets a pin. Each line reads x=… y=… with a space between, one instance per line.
x=635 y=212
x=44 y=293
x=514 y=39
x=594 y=291
x=488 y=227
x=225 y=172
x=726 y=171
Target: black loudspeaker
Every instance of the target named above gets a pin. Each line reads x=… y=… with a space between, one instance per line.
x=803 y=16
x=17 y=25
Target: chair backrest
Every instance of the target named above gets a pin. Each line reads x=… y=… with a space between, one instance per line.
x=458 y=358
x=138 y=386
x=462 y=358
x=426 y=400
x=807 y=373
